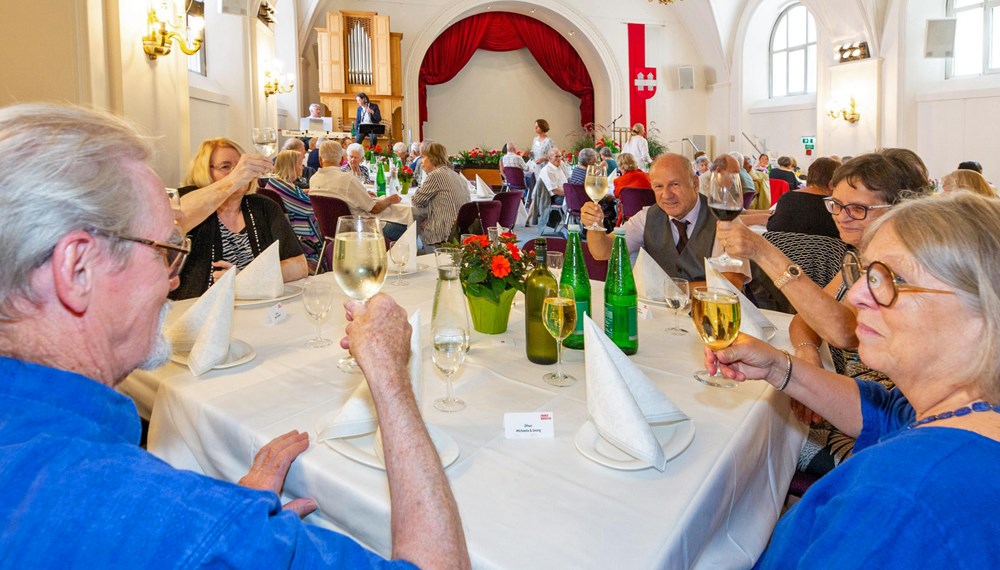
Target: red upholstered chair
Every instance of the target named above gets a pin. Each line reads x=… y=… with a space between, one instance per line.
x=327 y=210
x=486 y=211
x=268 y=193
x=778 y=187
x=515 y=179
x=634 y=200
x=509 y=203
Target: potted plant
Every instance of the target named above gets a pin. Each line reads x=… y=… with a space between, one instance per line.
x=483 y=162
x=491 y=274
x=405 y=175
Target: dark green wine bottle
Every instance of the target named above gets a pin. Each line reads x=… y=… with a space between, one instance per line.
x=574 y=274
x=620 y=301
x=539 y=284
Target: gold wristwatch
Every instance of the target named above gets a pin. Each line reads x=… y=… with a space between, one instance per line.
x=792 y=272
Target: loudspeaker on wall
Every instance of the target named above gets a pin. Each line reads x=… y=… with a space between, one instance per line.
x=685 y=77
x=940 y=38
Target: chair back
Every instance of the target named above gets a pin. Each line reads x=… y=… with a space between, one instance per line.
x=551 y=243
x=268 y=193
x=635 y=199
x=778 y=187
x=515 y=178
x=597 y=270
x=509 y=203
x=327 y=210
x=486 y=211
x=748 y=196
x=575 y=197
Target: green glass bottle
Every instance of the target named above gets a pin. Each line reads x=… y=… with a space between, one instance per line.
x=538 y=285
x=620 y=301
x=380 y=180
x=574 y=274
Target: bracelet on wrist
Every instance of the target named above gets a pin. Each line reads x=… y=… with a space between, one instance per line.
x=788 y=371
x=807 y=343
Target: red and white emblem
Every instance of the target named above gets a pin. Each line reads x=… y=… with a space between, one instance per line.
x=644 y=82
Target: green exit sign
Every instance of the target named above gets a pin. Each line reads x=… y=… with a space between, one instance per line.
x=811 y=141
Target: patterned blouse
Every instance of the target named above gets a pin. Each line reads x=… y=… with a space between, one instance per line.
x=301 y=216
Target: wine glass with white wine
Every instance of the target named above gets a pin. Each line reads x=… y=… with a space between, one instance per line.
x=317 y=297
x=559 y=318
x=716 y=316
x=449 y=354
x=596 y=186
x=725 y=199
x=265 y=140
x=359 y=264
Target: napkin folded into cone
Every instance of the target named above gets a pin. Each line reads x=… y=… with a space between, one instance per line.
x=205 y=329
x=621 y=400
x=357 y=416
x=482 y=189
x=409 y=241
x=752 y=321
x=651 y=281
x=262 y=278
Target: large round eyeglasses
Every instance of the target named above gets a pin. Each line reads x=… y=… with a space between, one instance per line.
x=883 y=284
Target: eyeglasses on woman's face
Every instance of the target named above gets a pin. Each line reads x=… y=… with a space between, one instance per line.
x=883 y=284
x=225 y=167
x=854 y=211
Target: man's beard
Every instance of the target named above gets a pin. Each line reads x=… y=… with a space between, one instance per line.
x=160 y=353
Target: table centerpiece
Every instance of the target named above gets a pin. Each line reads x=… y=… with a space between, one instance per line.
x=491 y=274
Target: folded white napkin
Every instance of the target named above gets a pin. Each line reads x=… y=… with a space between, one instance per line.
x=262 y=278
x=409 y=241
x=752 y=321
x=357 y=416
x=652 y=281
x=522 y=215
x=621 y=400
x=205 y=329
x=482 y=189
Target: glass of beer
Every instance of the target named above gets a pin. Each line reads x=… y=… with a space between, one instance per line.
x=559 y=318
x=596 y=186
x=716 y=316
x=359 y=263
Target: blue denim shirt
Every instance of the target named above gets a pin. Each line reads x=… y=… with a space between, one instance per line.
x=78 y=492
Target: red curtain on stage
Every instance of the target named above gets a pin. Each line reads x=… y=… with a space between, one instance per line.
x=504 y=31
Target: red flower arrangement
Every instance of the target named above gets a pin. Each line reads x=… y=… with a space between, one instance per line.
x=489 y=269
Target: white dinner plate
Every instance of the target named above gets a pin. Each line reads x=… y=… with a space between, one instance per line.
x=239 y=353
x=652 y=302
x=367 y=450
x=290 y=291
x=674 y=438
x=393 y=273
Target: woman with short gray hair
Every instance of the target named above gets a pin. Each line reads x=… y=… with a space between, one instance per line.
x=439 y=197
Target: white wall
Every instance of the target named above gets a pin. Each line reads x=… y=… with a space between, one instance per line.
x=496 y=98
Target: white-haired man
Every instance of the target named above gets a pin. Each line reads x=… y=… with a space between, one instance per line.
x=82 y=300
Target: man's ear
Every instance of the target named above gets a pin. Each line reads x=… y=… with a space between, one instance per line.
x=74 y=266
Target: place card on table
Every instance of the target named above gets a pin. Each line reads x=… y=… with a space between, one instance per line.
x=275 y=314
x=528 y=425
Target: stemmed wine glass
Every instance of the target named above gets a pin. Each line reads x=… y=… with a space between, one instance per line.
x=725 y=198
x=399 y=252
x=677 y=297
x=716 y=316
x=318 y=300
x=265 y=140
x=359 y=264
x=449 y=354
x=596 y=186
x=559 y=318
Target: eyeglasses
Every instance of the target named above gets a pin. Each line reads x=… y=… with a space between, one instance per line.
x=883 y=284
x=854 y=211
x=174 y=254
x=224 y=168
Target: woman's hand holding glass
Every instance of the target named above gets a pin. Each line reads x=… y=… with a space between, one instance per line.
x=716 y=316
x=747 y=358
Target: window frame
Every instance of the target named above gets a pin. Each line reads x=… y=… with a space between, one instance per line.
x=989 y=24
x=804 y=47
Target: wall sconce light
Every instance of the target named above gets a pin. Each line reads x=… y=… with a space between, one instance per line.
x=850 y=115
x=163 y=14
x=852 y=52
x=277 y=83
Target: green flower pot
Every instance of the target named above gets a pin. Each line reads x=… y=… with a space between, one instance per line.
x=404 y=187
x=489 y=317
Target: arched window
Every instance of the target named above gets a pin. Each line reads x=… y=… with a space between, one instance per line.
x=977 y=37
x=793 y=52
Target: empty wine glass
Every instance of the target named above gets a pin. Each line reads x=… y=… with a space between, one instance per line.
x=559 y=318
x=596 y=186
x=725 y=199
x=265 y=140
x=318 y=300
x=677 y=297
x=449 y=354
x=399 y=253
x=716 y=315
x=359 y=264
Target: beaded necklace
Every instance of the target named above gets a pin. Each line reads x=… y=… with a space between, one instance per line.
x=963 y=411
x=256 y=240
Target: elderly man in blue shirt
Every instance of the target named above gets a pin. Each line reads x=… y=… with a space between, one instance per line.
x=83 y=295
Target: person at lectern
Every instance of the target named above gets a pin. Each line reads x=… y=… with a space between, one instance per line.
x=368 y=114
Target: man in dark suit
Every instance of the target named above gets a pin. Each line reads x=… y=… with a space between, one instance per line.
x=368 y=113
x=678 y=231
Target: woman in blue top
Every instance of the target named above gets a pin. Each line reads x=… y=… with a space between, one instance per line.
x=921 y=489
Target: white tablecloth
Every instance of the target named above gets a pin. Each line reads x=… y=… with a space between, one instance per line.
x=524 y=503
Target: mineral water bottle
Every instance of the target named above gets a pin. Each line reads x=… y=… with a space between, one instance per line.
x=380 y=180
x=620 y=301
x=574 y=274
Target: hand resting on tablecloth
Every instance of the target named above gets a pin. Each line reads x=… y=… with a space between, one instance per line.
x=270 y=467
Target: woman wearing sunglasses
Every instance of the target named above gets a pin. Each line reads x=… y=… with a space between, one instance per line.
x=864 y=189
x=921 y=489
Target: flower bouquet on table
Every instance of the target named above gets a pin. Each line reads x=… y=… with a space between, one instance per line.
x=477 y=158
x=609 y=143
x=491 y=274
x=405 y=176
